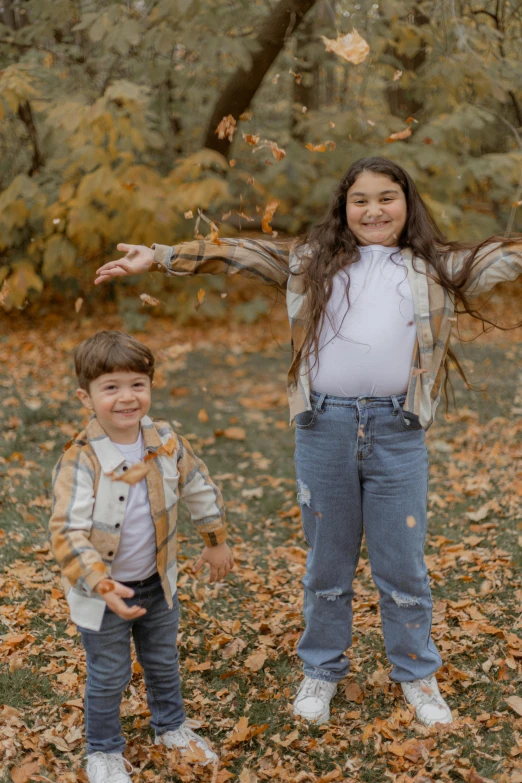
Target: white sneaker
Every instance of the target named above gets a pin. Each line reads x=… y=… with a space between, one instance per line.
x=429 y=705
x=313 y=700
x=189 y=744
x=108 y=768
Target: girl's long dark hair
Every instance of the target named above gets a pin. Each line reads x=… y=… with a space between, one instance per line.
x=331 y=246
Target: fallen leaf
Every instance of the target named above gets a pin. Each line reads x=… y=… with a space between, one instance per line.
x=351 y=47
x=226 y=128
x=24 y=773
x=330 y=145
x=247 y=776
x=353 y=692
x=150 y=300
x=268 y=215
x=235 y=433
x=133 y=475
x=515 y=702
x=400 y=135
x=203 y=416
x=256 y=661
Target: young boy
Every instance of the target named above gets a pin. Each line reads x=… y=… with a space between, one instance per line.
x=113 y=533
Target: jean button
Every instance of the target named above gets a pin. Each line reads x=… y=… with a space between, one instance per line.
x=363 y=401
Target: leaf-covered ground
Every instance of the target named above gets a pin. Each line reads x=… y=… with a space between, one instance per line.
x=225 y=389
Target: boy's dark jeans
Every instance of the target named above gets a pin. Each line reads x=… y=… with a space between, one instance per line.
x=109 y=667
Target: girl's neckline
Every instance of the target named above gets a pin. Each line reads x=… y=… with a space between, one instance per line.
x=378 y=247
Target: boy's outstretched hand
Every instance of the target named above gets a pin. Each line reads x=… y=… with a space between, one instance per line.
x=220 y=560
x=138 y=259
x=113 y=592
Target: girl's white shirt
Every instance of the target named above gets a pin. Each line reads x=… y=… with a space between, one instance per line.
x=366 y=348
x=136 y=555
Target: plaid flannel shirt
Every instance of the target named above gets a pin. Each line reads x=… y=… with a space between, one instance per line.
x=270 y=263
x=89 y=509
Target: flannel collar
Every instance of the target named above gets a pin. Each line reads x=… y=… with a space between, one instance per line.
x=109 y=456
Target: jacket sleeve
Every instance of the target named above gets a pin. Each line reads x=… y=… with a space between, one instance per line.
x=493 y=264
x=202 y=496
x=71 y=521
x=257 y=258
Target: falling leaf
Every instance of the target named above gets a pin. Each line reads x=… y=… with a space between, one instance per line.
x=232 y=163
x=189 y=214
x=77 y=304
x=327 y=145
x=4 y=293
x=351 y=47
x=150 y=300
x=133 y=475
x=268 y=215
x=397 y=75
x=201 y=298
x=105 y=586
x=246 y=116
x=203 y=416
x=167 y=449
x=276 y=78
x=214 y=234
x=515 y=204
x=226 y=128
x=400 y=135
x=251 y=138
x=411 y=521
x=276 y=151
x=256 y=661
x=297 y=76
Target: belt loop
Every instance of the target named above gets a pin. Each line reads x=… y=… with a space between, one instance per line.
x=396 y=406
x=320 y=402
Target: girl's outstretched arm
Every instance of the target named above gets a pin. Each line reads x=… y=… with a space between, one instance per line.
x=493 y=262
x=261 y=259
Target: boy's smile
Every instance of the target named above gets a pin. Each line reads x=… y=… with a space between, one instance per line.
x=120 y=400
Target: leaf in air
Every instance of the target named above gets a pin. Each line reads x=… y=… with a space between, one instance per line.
x=351 y=47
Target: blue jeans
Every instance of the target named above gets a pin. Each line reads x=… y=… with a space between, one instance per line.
x=362 y=463
x=109 y=667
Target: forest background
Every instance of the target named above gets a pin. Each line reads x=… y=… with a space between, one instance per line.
x=160 y=120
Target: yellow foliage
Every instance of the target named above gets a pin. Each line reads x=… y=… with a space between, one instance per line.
x=59 y=255
x=22 y=278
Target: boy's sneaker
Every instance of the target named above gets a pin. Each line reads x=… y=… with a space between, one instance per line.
x=108 y=768
x=429 y=705
x=313 y=700
x=189 y=744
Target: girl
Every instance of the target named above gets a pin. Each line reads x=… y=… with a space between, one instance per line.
x=371 y=295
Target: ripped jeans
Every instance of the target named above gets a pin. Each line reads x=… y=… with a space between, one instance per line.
x=362 y=463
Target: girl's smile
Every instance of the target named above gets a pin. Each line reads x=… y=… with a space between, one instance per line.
x=376 y=210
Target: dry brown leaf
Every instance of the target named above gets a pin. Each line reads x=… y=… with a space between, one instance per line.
x=166 y=449
x=226 y=128
x=411 y=521
x=256 y=661
x=214 y=234
x=327 y=145
x=203 y=416
x=150 y=300
x=400 y=135
x=234 y=433
x=353 y=692
x=132 y=476
x=201 y=298
x=351 y=47
x=188 y=214
x=105 y=586
x=77 y=304
x=515 y=702
x=25 y=773
x=4 y=293
x=397 y=75
x=268 y=215
x=251 y=138
x=247 y=776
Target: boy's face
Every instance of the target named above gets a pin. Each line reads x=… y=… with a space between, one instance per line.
x=119 y=400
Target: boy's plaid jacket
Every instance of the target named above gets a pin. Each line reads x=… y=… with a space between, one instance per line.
x=273 y=264
x=89 y=508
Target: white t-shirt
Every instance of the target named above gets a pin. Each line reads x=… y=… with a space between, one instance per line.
x=366 y=349
x=136 y=555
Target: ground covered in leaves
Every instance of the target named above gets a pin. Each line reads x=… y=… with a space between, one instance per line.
x=224 y=388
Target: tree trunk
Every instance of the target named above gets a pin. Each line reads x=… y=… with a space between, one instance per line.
x=243 y=84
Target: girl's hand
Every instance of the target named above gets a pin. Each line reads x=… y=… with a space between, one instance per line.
x=220 y=560
x=138 y=259
x=112 y=593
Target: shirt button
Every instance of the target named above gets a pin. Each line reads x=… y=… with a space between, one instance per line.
x=110 y=554
x=117 y=525
x=122 y=497
x=124 y=468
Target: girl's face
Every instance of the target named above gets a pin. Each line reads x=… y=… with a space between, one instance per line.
x=376 y=210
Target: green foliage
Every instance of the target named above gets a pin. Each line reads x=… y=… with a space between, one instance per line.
x=104 y=106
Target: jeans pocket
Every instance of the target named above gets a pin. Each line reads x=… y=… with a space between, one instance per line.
x=306 y=419
x=409 y=421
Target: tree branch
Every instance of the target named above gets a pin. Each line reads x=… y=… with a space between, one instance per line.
x=244 y=83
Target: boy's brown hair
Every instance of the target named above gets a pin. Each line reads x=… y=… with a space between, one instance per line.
x=111 y=351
